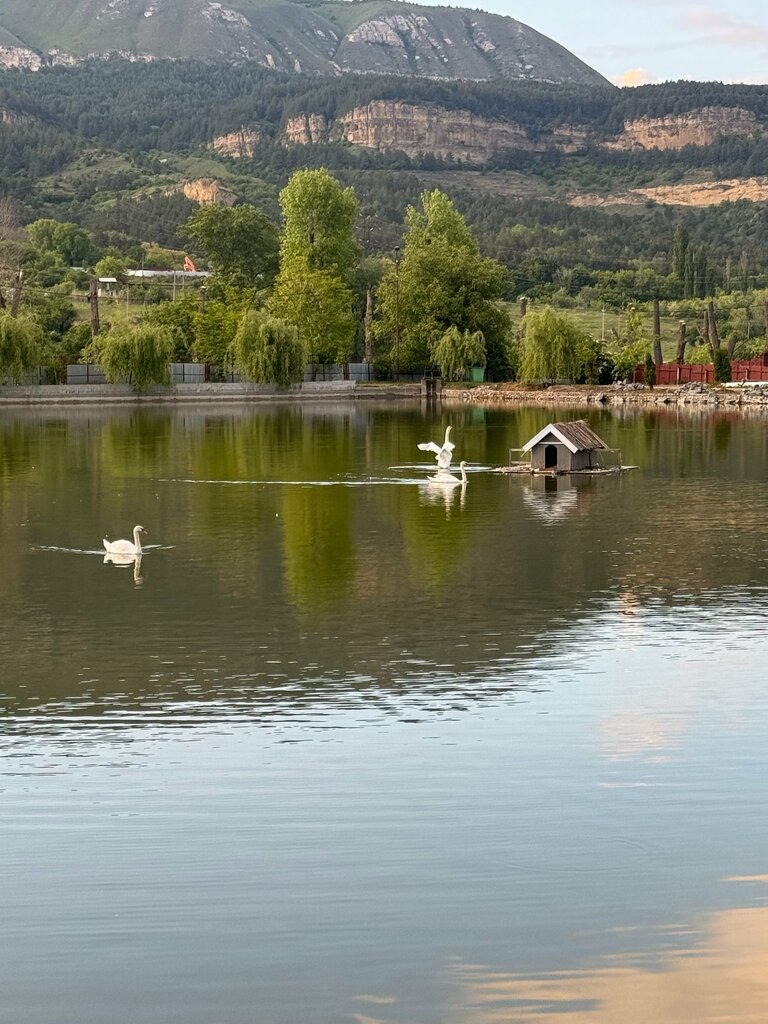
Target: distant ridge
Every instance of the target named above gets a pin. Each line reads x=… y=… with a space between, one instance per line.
x=323 y=37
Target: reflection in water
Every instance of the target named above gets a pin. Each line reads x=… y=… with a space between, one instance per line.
x=436 y=492
x=368 y=728
x=553 y=498
x=721 y=976
x=124 y=559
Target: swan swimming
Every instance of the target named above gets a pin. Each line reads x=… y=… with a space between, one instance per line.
x=446 y=479
x=125 y=547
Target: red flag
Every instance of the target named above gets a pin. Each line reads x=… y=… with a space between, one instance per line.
x=188 y=264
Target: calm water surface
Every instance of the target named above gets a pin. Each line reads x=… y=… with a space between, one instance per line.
x=345 y=750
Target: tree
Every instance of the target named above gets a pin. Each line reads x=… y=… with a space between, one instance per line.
x=551 y=347
x=67 y=240
x=21 y=345
x=722 y=366
x=239 y=242
x=456 y=353
x=134 y=355
x=649 y=371
x=267 y=350
x=320 y=306
x=319 y=223
x=111 y=266
x=180 y=318
x=442 y=281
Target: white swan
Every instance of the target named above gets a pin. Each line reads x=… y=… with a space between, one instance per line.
x=125 y=547
x=444 y=479
x=442 y=454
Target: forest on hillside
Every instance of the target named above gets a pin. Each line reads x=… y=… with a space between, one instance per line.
x=106 y=144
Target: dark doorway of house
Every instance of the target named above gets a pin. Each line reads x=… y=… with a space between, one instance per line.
x=550 y=456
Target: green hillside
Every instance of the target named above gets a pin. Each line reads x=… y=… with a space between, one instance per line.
x=381 y=36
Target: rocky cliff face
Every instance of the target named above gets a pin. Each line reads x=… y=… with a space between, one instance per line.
x=206 y=191
x=459 y=134
x=20 y=57
x=306 y=129
x=695 y=128
x=414 y=129
x=240 y=144
x=702 y=193
x=426 y=129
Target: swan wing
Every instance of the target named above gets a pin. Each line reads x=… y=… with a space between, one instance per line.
x=120 y=547
x=429 y=446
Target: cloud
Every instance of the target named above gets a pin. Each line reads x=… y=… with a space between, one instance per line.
x=634 y=76
x=720 y=29
x=720 y=977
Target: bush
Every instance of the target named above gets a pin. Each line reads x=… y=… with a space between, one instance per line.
x=134 y=355
x=267 y=350
x=649 y=372
x=722 y=366
x=21 y=346
x=456 y=352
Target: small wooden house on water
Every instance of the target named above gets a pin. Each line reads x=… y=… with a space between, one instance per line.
x=565 y=448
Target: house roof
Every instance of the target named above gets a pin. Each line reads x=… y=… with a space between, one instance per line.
x=575 y=435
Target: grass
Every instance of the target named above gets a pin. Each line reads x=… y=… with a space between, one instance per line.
x=592 y=321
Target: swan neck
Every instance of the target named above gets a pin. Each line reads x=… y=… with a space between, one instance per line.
x=137 y=540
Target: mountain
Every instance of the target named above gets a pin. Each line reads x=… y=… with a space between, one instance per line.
x=324 y=37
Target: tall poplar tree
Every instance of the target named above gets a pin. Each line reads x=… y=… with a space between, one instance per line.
x=318 y=260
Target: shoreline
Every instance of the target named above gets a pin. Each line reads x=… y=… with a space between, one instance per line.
x=50 y=395
x=699 y=396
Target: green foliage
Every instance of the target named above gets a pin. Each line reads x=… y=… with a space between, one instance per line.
x=319 y=305
x=441 y=282
x=649 y=371
x=21 y=346
x=319 y=223
x=267 y=350
x=134 y=355
x=111 y=266
x=239 y=242
x=52 y=308
x=68 y=241
x=457 y=352
x=596 y=363
x=700 y=355
x=551 y=347
x=215 y=327
x=626 y=357
x=180 y=318
x=722 y=366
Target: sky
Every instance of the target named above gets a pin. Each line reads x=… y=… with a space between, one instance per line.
x=632 y=42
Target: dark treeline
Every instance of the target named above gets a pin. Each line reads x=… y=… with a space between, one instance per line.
x=175 y=104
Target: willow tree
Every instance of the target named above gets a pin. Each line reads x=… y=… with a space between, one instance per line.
x=457 y=352
x=135 y=355
x=551 y=348
x=267 y=350
x=21 y=346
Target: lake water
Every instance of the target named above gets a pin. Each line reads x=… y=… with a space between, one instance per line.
x=342 y=749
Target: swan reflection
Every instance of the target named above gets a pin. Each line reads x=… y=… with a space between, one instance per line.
x=123 y=559
x=436 y=492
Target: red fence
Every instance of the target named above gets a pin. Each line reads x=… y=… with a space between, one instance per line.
x=686 y=373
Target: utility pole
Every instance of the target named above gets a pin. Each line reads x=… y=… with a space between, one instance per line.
x=397 y=312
